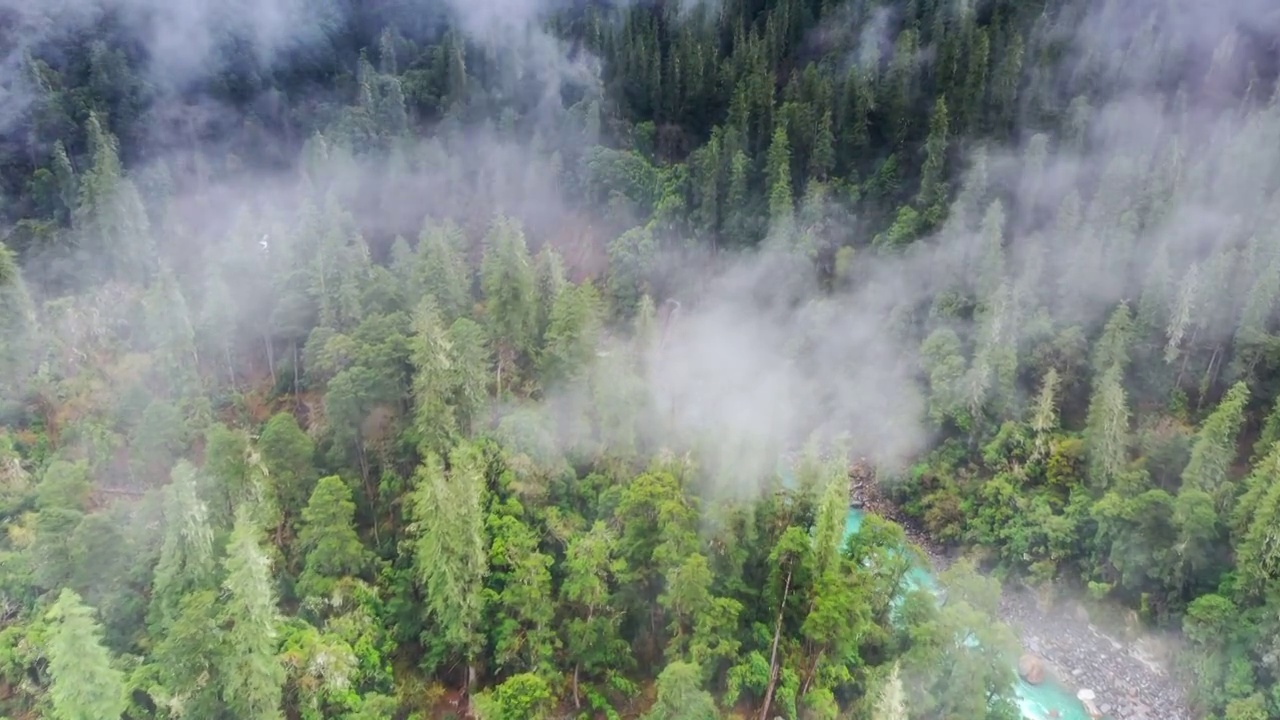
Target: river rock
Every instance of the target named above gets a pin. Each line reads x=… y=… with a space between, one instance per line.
x=1134 y=687
x=1031 y=668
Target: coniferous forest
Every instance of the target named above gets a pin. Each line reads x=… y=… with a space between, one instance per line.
x=431 y=358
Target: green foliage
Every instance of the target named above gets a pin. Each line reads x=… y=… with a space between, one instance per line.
x=518 y=697
x=328 y=540
x=498 y=508
x=450 y=557
x=251 y=675
x=83 y=683
x=680 y=696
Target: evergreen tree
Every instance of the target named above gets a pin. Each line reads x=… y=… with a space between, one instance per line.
x=440 y=269
x=83 y=684
x=327 y=537
x=680 y=695
x=289 y=457
x=18 y=326
x=252 y=678
x=186 y=552
x=778 y=178
x=1214 y=449
x=510 y=292
x=1107 y=429
x=110 y=217
x=932 y=199
x=450 y=551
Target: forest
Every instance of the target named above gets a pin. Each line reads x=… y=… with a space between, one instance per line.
x=427 y=358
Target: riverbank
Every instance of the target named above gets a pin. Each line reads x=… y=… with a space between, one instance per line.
x=1127 y=682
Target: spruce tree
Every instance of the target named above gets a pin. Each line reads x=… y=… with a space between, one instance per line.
x=450 y=559
x=83 y=685
x=252 y=676
x=327 y=537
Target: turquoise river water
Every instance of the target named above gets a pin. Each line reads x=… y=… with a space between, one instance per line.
x=1046 y=701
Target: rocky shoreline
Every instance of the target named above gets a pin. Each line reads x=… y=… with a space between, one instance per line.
x=1128 y=684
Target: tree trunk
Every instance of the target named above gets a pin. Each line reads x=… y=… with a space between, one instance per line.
x=231 y=368
x=1186 y=357
x=577 y=704
x=1210 y=376
x=369 y=490
x=813 y=672
x=295 y=375
x=773 y=654
x=271 y=358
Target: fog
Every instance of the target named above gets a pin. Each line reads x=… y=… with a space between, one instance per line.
x=761 y=356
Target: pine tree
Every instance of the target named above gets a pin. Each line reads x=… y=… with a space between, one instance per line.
x=17 y=326
x=510 y=293
x=680 y=695
x=83 y=684
x=1257 y=524
x=707 y=169
x=991 y=268
x=551 y=281
x=822 y=158
x=450 y=558
x=738 y=213
x=186 y=552
x=252 y=678
x=778 y=178
x=110 y=217
x=327 y=537
x=1107 y=429
x=432 y=357
x=441 y=269
x=471 y=365
x=527 y=640
x=932 y=199
x=1269 y=434
x=593 y=633
x=1214 y=449
x=572 y=334
x=1112 y=349
x=289 y=457
x=172 y=335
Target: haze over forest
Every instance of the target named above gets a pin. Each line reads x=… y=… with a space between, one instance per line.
x=417 y=358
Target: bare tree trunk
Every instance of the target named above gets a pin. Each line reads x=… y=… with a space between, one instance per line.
x=231 y=368
x=1186 y=357
x=577 y=704
x=773 y=654
x=1210 y=376
x=813 y=672
x=295 y=374
x=368 y=486
x=271 y=357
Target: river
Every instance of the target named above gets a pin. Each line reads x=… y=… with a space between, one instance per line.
x=1047 y=701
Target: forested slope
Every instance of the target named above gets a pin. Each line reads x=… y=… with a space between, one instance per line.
x=400 y=359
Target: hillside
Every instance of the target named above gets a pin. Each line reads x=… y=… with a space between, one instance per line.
x=412 y=359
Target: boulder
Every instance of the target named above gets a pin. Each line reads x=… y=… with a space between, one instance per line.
x=1031 y=668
